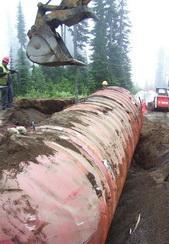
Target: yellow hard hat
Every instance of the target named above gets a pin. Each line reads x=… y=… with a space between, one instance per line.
x=104 y=83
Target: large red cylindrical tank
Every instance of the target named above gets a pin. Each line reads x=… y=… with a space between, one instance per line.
x=67 y=191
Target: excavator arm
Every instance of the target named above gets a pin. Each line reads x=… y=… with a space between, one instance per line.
x=46 y=46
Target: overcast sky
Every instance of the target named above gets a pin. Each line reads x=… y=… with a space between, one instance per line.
x=150 y=31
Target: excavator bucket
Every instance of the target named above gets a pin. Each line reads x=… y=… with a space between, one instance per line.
x=47 y=48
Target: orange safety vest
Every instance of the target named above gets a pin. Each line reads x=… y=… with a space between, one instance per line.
x=4 y=79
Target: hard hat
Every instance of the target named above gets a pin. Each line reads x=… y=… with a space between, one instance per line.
x=5 y=60
x=105 y=83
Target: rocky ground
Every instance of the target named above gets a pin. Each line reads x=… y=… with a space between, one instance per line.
x=142 y=216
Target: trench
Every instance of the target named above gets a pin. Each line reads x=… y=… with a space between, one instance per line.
x=145 y=197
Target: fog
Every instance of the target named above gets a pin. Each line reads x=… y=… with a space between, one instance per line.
x=149 y=33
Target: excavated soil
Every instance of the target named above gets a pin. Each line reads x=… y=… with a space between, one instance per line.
x=47 y=106
x=142 y=216
x=27 y=111
x=16 y=148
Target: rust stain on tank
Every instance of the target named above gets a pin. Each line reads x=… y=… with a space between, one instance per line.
x=93 y=182
x=69 y=193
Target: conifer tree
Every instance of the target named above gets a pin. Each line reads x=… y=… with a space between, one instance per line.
x=99 y=66
x=112 y=46
x=38 y=82
x=80 y=34
x=53 y=74
x=80 y=39
x=21 y=34
x=123 y=44
x=111 y=43
x=22 y=62
x=12 y=66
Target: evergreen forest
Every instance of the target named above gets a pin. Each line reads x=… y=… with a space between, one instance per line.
x=103 y=45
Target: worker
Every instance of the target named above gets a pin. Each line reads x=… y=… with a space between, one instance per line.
x=104 y=84
x=4 y=71
x=10 y=89
x=5 y=83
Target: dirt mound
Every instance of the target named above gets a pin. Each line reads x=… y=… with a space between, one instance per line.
x=47 y=106
x=24 y=117
x=23 y=148
x=146 y=193
x=25 y=111
x=17 y=148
